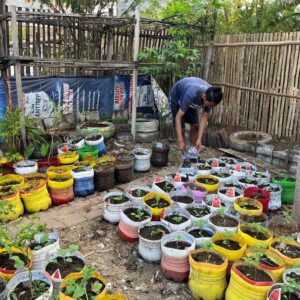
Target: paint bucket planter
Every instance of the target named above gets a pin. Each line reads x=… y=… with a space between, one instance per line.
x=83 y=181
x=89 y=153
x=142 y=159
x=260 y=195
x=175 y=253
x=97 y=141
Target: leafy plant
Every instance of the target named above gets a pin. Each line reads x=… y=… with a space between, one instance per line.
x=66 y=254
x=200 y=223
x=156 y=231
x=287 y=217
x=257 y=227
x=177 y=219
x=206 y=245
x=139 y=214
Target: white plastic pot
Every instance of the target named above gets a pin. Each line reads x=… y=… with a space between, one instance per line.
x=150 y=250
x=289 y=271
x=94 y=143
x=197 y=205
x=223 y=194
x=178 y=180
x=142 y=162
x=26 y=167
x=245 y=185
x=39 y=256
x=229 y=161
x=223 y=179
x=275 y=197
x=223 y=228
x=262 y=177
x=79 y=144
x=112 y=212
x=208 y=202
x=178 y=211
x=246 y=166
x=156 y=188
x=133 y=187
x=200 y=240
x=51 y=256
x=24 y=277
x=201 y=172
x=181 y=193
x=88 y=173
x=4 y=292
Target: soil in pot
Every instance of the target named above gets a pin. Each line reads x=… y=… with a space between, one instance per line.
x=256 y=234
x=176 y=219
x=27 y=165
x=248 y=206
x=195 y=187
x=8 y=263
x=117 y=199
x=290 y=251
x=209 y=203
x=80 y=169
x=139 y=153
x=60 y=179
x=198 y=212
x=183 y=199
x=165 y=186
x=180 y=245
x=257 y=196
x=198 y=233
x=37 y=246
x=228 y=161
x=208 y=257
x=89 y=288
x=228 y=244
x=203 y=167
x=295 y=277
x=153 y=232
x=94 y=137
x=224 y=221
x=23 y=291
x=220 y=164
x=139 y=193
x=285 y=178
x=265 y=260
x=136 y=214
x=253 y=219
x=10 y=182
x=65 y=267
x=157 y=203
x=220 y=174
x=254 y=274
x=210 y=181
x=6 y=191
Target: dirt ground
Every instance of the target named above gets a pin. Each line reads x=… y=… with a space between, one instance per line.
x=119 y=262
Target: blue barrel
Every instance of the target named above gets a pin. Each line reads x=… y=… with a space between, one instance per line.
x=2 y=100
x=84 y=186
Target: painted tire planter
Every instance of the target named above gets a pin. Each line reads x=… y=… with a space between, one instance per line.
x=213 y=202
x=260 y=195
x=150 y=235
x=288 y=184
x=210 y=183
x=104 y=176
x=23 y=277
x=68 y=158
x=201 y=235
x=3 y=292
x=183 y=199
x=25 y=167
x=142 y=159
x=176 y=218
x=223 y=223
x=244 y=288
x=207 y=280
x=96 y=141
x=107 y=129
x=270 y=261
x=39 y=256
x=124 y=168
x=83 y=181
x=162 y=185
x=129 y=224
x=174 y=262
x=12 y=197
x=157 y=203
x=113 y=205
x=160 y=154
x=35 y=198
x=247 y=206
x=202 y=169
x=88 y=153
x=229 y=195
x=45 y=163
x=198 y=212
x=78 y=276
x=137 y=192
x=198 y=191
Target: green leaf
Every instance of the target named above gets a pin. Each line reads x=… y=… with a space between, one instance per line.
x=96 y=287
x=44 y=149
x=69 y=259
x=28 y=151
x=18 y=262
x=44 y=238
x=78 y=292
x=73 y=248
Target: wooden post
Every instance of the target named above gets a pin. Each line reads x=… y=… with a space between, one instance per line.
x=17 y=65
x=135 y=70
x=296 y=206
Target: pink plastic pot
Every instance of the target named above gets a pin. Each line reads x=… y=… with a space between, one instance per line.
x=175 y=268
x=127 y=233
x=197 y=194
x=251 y=191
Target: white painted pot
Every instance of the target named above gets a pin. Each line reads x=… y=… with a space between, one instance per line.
x=26 y=167
x=220 y=164
x=245 y=185
x=262 y=177
x=197 y=205
x=289 y=271
x=79 y=144
x=150 y=250
x=202 y=172
x=39 y=256
x=222 y=228
x=178 y=211
x=142 y=162
x=181 y=193
x=200 y=240
x=222 y=179
x=112 y=212
x=94 y=143
x=156 y=188
x=229 y=161
x=25 y=277
x=133 y=187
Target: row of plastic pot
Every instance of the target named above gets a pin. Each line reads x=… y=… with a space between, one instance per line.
x=56 y=268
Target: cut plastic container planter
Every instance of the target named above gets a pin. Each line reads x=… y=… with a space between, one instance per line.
x=199 y=240
x=98 y=143
x=26 y=167
x=197 y=205
x=198 y=194
x=208 y=200
x=225 y=195
x=174 y=262
x=83 y=182
x=142 y=161
x=180 y=212
x=222 y=228
x=133 y=187
x=182 y=205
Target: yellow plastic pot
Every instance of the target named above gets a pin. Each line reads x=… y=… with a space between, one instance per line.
x=35 y=177
x=242 y=288
x=156 y=212
x=53 y=184
x=276 y=271
x=16 y=209
x=115 y=297
x=240 y=201
x=207 y=281
x=36 y=199
x=8 y=274
x=78 y=275
x=211 y=188
x=232 y=255
x=251 y=240
x=68 y=158
x=4 y=180
x=62 y=170
x=288 y=261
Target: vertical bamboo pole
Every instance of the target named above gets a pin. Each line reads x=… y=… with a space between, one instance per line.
x=135 y=70
x=296 y=207
x=17 y=65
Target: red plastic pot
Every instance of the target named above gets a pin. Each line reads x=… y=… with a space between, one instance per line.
x=45 y=163
x=127 y=233
x=7 y=168
x=61 y=196
x=175 y=268
x=251 y=191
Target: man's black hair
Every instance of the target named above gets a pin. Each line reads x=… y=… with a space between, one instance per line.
x=214 y=94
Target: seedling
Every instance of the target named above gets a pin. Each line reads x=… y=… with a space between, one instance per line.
x=139 y=213
x=200 y=223
x=156 y=231
x=287 y=217
x=206 y=245
x=258 y=228
x=289 y=288
x=66 y=253
x=177 y=219
x=139 y=192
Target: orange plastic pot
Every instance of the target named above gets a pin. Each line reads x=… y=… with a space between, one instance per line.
x=61 y=196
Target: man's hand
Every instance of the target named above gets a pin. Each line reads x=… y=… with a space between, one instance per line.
x=181 y=145
x=199 y=145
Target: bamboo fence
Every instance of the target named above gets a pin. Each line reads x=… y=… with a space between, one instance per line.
x=260 y=76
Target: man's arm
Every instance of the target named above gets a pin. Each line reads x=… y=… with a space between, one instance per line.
x=202 y=125
x=178 y=127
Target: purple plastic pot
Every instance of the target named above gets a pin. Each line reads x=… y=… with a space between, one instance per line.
x=198 y=192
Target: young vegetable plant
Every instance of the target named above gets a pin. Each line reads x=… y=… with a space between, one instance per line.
x=200 y=223
x=139 y=214
x=156 y=231
x=177 y=219
x=66 y=254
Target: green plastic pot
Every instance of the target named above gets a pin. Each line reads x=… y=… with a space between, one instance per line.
x=88 y=153
x=288 y=188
